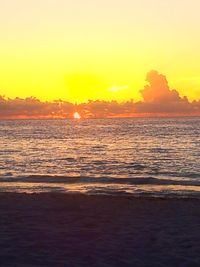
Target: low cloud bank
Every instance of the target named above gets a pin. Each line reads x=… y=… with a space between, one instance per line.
x=158 y=99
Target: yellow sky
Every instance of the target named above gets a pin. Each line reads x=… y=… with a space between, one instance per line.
x=79 y=50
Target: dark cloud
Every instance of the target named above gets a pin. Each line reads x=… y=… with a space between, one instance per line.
x=33 y=108
x=158 y=98
x=107 y=109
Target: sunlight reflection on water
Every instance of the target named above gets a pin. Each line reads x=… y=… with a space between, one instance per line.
x=107 y=148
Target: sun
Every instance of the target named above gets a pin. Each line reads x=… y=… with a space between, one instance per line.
x=77 y=116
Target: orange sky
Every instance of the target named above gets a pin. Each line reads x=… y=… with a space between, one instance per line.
x=157 y=99
x=79 y=50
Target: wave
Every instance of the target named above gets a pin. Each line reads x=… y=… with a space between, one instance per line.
x=102 y=180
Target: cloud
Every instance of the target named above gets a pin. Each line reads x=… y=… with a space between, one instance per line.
x=102 y=109
x=158 y=99
x=114 y=89
x=31 y=107
x=158 y=89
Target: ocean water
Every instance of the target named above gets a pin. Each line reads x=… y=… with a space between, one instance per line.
x=141 y=157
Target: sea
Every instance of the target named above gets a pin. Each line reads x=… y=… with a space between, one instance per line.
x=153 y=157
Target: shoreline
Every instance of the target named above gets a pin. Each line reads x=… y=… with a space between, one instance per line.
x=129 y=196
x=58 y=229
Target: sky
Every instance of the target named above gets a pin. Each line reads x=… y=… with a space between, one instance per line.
x=157 y=99
x=80 y=50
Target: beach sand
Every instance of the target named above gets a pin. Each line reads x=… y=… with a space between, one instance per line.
x=78 y=230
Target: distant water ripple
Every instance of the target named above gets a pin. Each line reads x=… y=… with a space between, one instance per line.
x=103 y=156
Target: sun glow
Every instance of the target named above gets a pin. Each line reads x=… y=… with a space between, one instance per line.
x=77 y=116
x=78 y=50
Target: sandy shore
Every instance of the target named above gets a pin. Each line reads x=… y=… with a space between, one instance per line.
x=76 y=230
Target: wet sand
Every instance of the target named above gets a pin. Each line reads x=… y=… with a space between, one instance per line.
x=77 y=230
